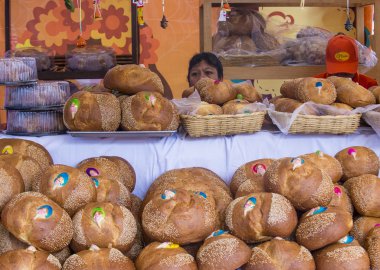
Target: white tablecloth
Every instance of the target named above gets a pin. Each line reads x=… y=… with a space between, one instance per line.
x=151 y=157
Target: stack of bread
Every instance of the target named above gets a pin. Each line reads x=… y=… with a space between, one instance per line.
x=88 y=210
x=140 y=107
x=341 y=93
x=223 y=97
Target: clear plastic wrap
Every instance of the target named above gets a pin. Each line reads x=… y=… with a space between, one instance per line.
x=18 y=70
x=35 y=123
x=44 y=57
x=372 y=117
x=241 y=39
x=90 y=58
x=285 y=120
x=42 y=95
x=310 y=48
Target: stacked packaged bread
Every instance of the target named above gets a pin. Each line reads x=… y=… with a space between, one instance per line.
x=36 y=109
x=18 y=70
x=43 y=56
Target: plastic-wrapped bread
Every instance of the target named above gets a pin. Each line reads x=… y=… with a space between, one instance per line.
x=300 y=181
x=261 y=216
x=98 y=259
x=92 y=111
x=287 y=105
x=162 y=256
x=346 y=253
x=280 y=254
x=35 y=219
x=358 y=160
x=205 y=108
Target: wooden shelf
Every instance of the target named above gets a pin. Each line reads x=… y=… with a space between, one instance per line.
x=295 y=3
x=288 y=72
x=281 y=72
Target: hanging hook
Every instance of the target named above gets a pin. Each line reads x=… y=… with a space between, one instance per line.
x=164 y=21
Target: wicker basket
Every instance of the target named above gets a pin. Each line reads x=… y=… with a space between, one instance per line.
x=215 y=125
x=339 y=124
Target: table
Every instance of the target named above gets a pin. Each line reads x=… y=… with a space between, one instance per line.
x=151 y=157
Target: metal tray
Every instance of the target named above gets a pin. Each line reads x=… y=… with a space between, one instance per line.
x=33 y=134
x=122 y=134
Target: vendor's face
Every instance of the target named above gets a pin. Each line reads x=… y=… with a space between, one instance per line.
x=202 y=70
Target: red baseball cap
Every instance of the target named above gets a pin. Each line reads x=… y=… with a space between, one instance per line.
x=342 y=55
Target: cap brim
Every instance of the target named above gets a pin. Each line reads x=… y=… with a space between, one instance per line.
x=332 y=68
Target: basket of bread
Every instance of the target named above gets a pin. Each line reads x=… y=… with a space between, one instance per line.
x=221 y=108
x=315 y=105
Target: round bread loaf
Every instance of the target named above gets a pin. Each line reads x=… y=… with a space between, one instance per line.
x=289 y=87
x=163 y=256
x=131 y=79
x=188 y=92
x=341 y=199
x=346 y=254
x=354 y=95
x=214 y=91
x=69 y=187
x=127 y=171
x=339 y=81
x=92 y=111
x=317 y=90
x=247 y=91
x=287 y=105
x=375 y=90
x=327 y=163
x=11 y=183
x=248 y=178
x=109 y=168
x=300 y=181
x=35 y=219
x=194 y=179
x=364 y=191
x=27 y=148
x=280 y=254
x=111 y=191
x=28 y=167
x=105 y=225
x=362 y=226
x=342 y=106
x=180 y=216
x=148 y=111
x=261 y=216
x=62 y=255
x=8 y=242
x=98 y=259
x=138 y=243
x=29 y=258
x=372 y=244
x=358 y=160
x=236 y=106
x=322 y=226
x=222 y=251
x=205 y=108
x=136 y=206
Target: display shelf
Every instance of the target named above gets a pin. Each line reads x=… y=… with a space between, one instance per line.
x=287 y=72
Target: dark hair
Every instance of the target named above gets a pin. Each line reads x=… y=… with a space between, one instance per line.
x=210 y=59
